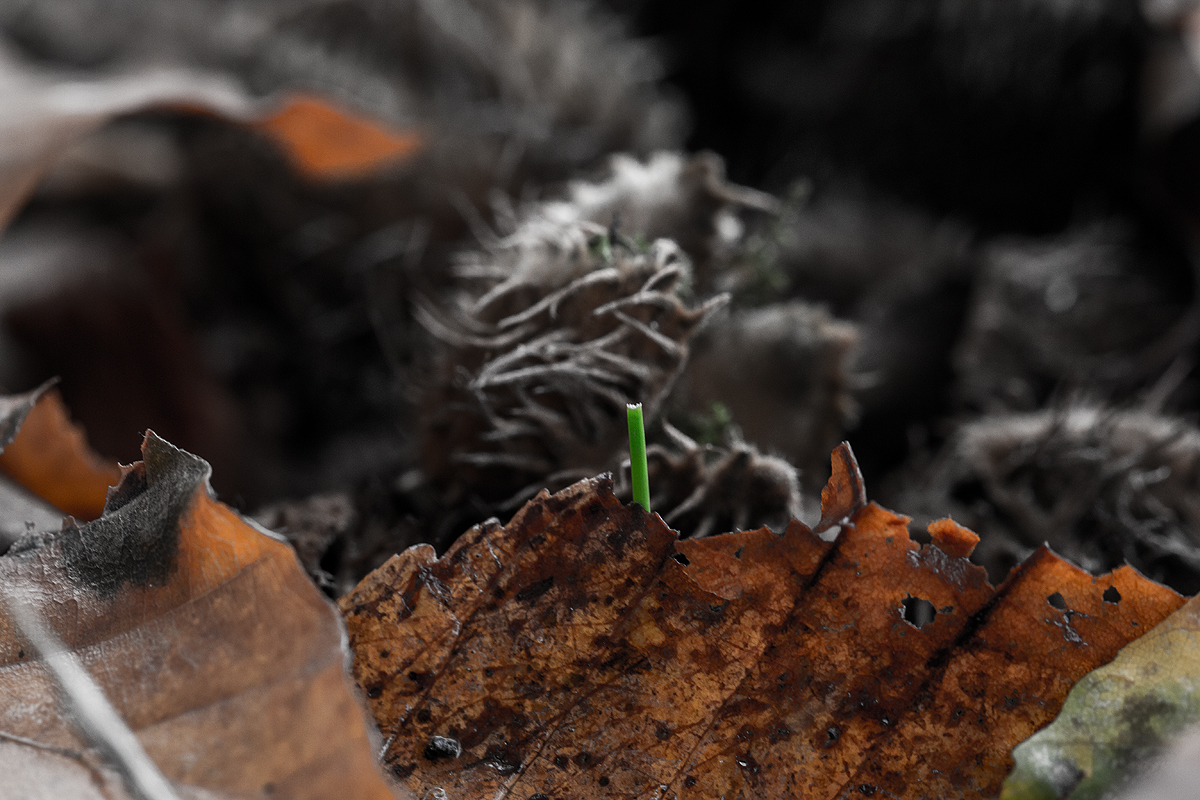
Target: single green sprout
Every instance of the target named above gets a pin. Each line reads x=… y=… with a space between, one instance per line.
x=639 y=472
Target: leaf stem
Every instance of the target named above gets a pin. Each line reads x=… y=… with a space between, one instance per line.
x=639 y=473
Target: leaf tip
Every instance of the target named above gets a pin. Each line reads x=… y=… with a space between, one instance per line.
x=845 y=493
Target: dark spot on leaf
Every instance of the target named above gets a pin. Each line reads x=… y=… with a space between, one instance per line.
x=603 y=781
x=503 y=760
x=662 y=732
x=866 y=789
x=442 y=747
x=594 y=513
x=738 y=553
x=561 y=761
x=1111 y=595
x=617 y=540
x=689 y=781
x=535 y=590
x=1057 y=601
x=424 y=716
x=402 y=771
x=583 y=759
x=374 y=692
x=781 y=733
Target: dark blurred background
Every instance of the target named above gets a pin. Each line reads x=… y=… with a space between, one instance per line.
x=973 y=254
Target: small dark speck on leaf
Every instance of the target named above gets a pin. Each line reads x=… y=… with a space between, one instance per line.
x=1111 y=595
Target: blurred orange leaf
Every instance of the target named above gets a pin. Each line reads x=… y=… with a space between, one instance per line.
x=582 y=651
x=327 y=142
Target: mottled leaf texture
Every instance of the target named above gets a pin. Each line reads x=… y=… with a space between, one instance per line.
x=204 y=633
x=581 y=651
x=1119 y=720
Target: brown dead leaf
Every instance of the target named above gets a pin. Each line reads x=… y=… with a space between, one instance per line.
x=582 y=651
x=203 y=632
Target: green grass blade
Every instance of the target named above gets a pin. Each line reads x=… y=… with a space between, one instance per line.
x=637 y=457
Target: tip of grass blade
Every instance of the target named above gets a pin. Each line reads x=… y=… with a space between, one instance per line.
x=638 y=469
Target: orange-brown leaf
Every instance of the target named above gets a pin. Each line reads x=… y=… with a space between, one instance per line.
x=324 y=141
x=581 y=651
x=204 y=633
x=50 y=457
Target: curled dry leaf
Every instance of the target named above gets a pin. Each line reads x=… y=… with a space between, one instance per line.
x=582 y=651
x=45 y=116
x=48 y=455
x=204 y=633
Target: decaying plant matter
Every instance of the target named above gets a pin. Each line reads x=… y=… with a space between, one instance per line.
x=1102 y=487
x=706 y=489
x=574 y=310
x=783 y=374
x=583 y=651
x=539 y=368
x=1081 y=310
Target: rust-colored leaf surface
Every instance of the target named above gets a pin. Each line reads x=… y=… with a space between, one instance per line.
x=581 y=651
x=204 y=633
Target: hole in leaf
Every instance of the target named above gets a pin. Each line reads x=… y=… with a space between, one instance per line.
x=918 y=612
x=681 y=558
x=1057 y=601
x=1111 y=595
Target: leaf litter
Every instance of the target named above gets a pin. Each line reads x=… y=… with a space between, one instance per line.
x=202 y=630
x=582 y=650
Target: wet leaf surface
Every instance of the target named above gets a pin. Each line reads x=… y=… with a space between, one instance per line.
x=1118 y=720
x=582 y=651
x=204 y=633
